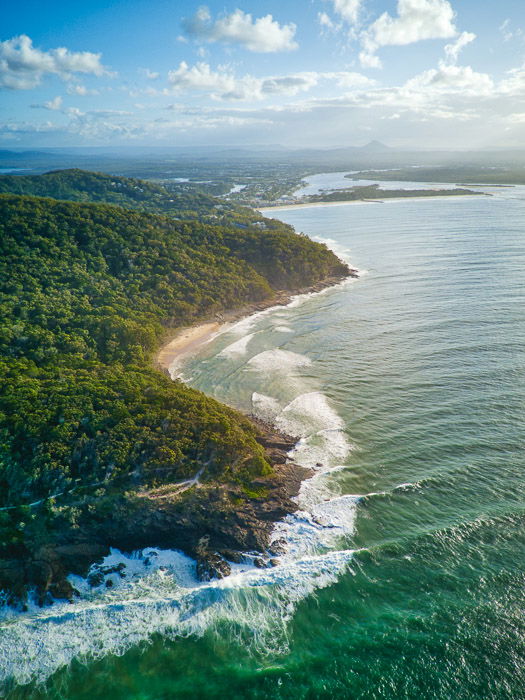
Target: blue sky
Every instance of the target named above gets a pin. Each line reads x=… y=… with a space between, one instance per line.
x=412 y=73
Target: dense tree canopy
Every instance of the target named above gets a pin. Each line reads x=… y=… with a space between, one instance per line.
x=86 y=294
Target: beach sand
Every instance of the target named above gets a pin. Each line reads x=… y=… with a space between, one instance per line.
x=186 y=342
x=284 y=207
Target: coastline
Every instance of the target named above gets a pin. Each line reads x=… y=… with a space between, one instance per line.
x=302 y=205
x=248 y=527
x=189 y=339
x=185 y=341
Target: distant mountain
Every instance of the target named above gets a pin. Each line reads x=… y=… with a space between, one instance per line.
x=374 y=147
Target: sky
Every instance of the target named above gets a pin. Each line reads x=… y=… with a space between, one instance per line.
x=299 y=73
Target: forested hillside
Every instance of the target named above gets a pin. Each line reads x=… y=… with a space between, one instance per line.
x=85 y=186
x=87 y=292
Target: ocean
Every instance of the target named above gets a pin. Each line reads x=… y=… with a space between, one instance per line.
x=403 y=576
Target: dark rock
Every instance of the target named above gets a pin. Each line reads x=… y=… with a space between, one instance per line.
x=232 y=555
x=276 y=456
x=78 y=558
x=115 y=569
x=63 y=589
x=260 y=563
x=13 y=578
x=277 y=546
x=212 y=565
x=95 y=578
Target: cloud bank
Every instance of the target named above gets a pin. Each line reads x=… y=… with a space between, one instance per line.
x=223 y=84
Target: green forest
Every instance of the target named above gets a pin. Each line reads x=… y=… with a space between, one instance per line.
x=78 y=185
x=88 y=291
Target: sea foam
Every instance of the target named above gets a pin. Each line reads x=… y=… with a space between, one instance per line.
x=278 y=361
x=237 y=348
x=256 y=604
x=307 y=414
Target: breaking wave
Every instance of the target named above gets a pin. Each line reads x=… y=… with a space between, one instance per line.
x=238 y=348
x=167 y=599
x=278 y=361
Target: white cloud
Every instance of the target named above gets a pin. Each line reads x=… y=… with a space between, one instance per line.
x=349 y=79
x=325 y=21
x=53 y=105
x=449 y=79
x=416 y=20
x=149 y=74
x=200 y=77
x=515 y=83
x=368 y=59
x=223 y=84
x=74 y=112
x=289 y=84
x=508 y=32
x=262 y=35
x=449 y=104
x=452 y=51
x=22 y=66
x=348 y=10
x=80 y=90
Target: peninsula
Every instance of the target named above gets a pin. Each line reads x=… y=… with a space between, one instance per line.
x=99 y=448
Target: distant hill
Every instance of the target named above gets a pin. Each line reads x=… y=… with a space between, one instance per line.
x=84 y=186
x=375 y=147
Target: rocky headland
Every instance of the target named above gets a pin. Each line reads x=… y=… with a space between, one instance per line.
x=214 y=522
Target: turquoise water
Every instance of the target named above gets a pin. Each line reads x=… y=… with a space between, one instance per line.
x=404 y=575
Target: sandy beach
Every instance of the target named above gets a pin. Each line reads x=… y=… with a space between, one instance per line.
x=186 y=342
x=283 y=207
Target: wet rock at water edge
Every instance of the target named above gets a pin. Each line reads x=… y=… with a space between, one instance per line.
x=210 y=564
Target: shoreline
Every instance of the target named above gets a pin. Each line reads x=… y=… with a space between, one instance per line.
x=189 y=339
x=252 y=521
x=302 y=205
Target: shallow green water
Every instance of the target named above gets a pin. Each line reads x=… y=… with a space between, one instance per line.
x=419 y=367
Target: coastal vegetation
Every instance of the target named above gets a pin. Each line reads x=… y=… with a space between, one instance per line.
x=366 y=192
x=84 y=186
x=471 y=175
x=88 y=292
